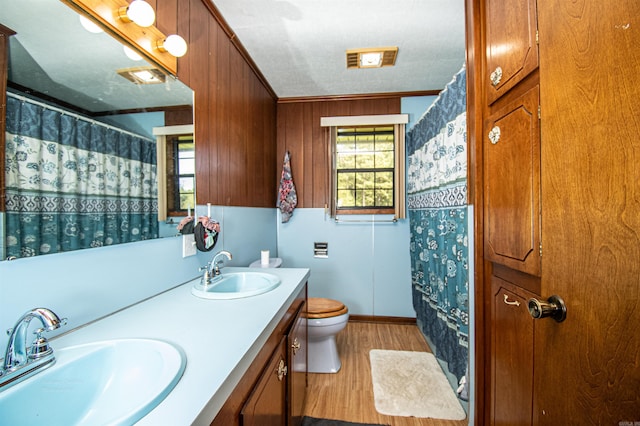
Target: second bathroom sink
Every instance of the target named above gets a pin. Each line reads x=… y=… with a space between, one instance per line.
x=115 y=382
x=236 y=285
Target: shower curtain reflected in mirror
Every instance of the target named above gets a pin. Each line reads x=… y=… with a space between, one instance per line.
x=74 y=183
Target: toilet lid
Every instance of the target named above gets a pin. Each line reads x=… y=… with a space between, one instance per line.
x=320 y=307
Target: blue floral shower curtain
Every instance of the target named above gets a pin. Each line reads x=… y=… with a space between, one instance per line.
x=73 y=183
x=437 y=201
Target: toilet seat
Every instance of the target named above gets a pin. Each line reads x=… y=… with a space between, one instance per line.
x=320 y=307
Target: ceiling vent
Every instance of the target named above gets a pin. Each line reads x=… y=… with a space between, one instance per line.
x=374 y=57
x=143 y=75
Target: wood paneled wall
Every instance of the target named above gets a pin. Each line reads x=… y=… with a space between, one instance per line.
x=299 y=132
x=235 y=111
x=240 y=134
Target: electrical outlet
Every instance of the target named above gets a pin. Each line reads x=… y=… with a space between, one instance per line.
x=188 y=245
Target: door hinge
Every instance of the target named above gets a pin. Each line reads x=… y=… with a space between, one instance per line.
x=539 y=113
x=537 y=37
x=540 y=247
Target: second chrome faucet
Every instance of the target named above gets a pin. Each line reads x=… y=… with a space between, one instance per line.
x=212 y=270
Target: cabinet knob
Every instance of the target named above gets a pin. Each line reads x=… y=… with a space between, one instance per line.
x=496 y=76
x=295 y=346
x=494 y=135
x=282 y=370
x=554 y=308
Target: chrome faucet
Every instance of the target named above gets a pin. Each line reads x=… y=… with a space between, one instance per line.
x=212 y=270
x=22 y=361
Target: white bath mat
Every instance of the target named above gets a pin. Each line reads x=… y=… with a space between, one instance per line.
x=412 y=384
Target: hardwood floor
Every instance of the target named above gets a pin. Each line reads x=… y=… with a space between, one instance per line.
x=348 y=394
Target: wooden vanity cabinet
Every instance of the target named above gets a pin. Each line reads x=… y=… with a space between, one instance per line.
x=273 y=389
x=297 y=361
x=266 y=405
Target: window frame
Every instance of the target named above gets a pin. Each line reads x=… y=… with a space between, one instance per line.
x=162 y=134
x=175 y=141
x=336 y=172
x=398 y=122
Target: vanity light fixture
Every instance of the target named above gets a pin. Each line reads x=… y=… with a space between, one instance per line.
x=174 y=44
x=143 y=75
x=138 y=11
x=375 y=57
x=115 y=16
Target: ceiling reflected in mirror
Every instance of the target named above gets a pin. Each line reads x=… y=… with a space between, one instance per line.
x=53 y=55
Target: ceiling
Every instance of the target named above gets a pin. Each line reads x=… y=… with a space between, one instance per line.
x=300 y=45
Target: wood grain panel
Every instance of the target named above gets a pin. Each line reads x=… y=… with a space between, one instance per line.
x=512 y=355
x=512 y=184
x=234 y=112
x=183 y=28
x=197 y=56
x=319 y=153
x=299 y=132
x=510 y=43
x=267 y=404
x=166 y=16
x=588 y=367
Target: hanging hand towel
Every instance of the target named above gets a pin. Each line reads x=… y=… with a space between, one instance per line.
x=287 y=198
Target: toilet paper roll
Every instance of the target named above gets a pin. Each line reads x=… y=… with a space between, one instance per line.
x=264 y=257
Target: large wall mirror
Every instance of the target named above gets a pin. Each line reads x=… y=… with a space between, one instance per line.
x=55 y=62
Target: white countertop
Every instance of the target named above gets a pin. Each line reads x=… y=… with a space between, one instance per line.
x=220 y=338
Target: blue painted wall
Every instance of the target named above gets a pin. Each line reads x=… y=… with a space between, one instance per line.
x=368 y=265
x=88 y=284
x=415 y=106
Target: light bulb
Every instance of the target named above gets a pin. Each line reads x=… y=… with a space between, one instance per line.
x=174 y=44
x=89 y=25
x=132 y=54
x=140 y=12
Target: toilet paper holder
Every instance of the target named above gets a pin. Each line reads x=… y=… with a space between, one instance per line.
x=321 y=250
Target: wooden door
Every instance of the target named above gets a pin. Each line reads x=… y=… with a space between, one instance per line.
x=587 y=368
x=267 y=405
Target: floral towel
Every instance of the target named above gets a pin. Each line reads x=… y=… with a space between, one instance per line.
x=287 y=198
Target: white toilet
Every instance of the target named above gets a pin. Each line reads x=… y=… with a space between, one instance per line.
x=325 y=319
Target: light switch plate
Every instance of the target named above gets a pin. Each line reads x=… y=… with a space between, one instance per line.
x=188 y=245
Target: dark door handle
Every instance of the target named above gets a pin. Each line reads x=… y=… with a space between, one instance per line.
x=554 y=307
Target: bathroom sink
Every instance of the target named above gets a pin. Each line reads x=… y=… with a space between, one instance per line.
x=236 y=285
x=115 y=382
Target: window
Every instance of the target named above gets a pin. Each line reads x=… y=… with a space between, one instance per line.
x=176 y=170
x=181 y=195
x=365 y=165
x=368 y=164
